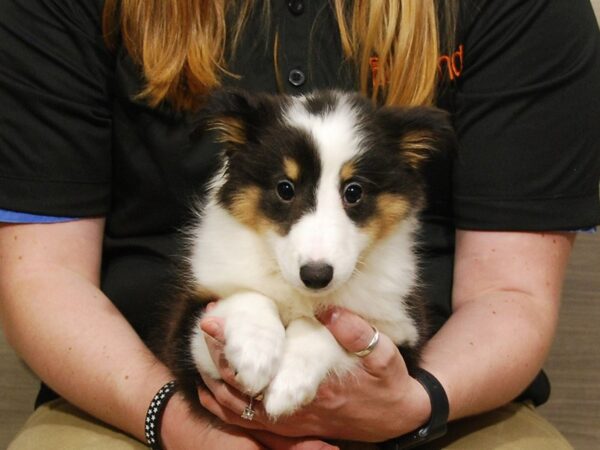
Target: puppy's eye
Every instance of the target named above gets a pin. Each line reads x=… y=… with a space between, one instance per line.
x=353 y=193
x=285 y=190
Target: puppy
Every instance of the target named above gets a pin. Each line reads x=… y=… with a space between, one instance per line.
x=315 y=204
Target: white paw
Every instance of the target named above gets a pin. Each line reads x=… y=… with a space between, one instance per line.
x=294 y=385
x=254 y=351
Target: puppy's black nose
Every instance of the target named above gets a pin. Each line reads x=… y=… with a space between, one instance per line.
x=316 y=275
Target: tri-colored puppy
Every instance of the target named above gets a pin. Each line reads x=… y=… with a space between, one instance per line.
x=315 y=204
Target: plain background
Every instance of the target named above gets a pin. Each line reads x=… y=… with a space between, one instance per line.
x=573 y=366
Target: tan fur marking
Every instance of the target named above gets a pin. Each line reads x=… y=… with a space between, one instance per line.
x=245 y=208
x=291 y=168
x=347 y=171
x=203 y=295
x=230 y=130
x=391 y=209
x=417 y=146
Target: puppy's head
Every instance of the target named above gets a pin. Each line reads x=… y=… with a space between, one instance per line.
x=323 y=179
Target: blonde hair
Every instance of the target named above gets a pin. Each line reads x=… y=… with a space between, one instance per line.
x=181 y=45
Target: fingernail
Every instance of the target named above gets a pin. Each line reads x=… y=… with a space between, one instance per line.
x=210 y=327
x=329 y=316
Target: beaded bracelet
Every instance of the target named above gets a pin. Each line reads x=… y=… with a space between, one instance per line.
x=155 y=413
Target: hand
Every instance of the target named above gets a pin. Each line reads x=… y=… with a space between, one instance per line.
x=376 y=401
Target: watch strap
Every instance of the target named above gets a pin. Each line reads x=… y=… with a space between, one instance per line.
x=436 y=426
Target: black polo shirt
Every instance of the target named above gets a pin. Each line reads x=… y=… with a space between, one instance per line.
x=522 y=84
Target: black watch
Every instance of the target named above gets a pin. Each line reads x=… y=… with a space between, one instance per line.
x=436 y=427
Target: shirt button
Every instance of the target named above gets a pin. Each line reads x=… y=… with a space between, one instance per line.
x=296 y=77
x=296 y=6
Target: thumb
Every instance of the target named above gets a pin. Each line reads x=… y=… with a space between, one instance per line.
x=351 y=331
x=355 y=334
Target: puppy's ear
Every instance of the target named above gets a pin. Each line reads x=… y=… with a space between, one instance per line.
x=419 y=131
x=238 y=117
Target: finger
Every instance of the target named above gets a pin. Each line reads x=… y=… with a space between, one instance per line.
x=216 y=351
x=210 y=403
x=215 y=341
x=226 y=395
x=355 y=334
x=277 y=442
x=233 y=400
x=214 y=327
x=351 y=331
x=213 y=335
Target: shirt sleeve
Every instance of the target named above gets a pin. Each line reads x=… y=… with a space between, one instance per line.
x=528 y=118
x=55 y=108
x=7 y=216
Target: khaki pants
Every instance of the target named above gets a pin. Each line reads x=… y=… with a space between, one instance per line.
x=59 y=426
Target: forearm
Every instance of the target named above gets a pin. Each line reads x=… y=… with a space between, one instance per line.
x=72 y=336
x=490 y=350
x=506 y=299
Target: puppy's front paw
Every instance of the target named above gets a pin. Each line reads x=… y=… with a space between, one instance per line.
x=293 y=386
x=254 y=351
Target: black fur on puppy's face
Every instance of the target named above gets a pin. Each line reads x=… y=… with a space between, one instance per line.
x=267 y=162
x=396 y=142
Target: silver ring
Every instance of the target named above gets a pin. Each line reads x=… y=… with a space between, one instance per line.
x=369 y=348
x=248 y=413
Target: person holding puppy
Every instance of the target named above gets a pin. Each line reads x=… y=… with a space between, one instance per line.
x=98 y=166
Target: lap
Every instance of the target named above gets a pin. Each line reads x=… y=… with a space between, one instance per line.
x=58 y=425
x=515 y=426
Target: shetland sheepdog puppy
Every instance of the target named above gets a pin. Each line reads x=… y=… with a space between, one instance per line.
x=315 y=204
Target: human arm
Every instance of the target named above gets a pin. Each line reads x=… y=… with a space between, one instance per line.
x=74 y=338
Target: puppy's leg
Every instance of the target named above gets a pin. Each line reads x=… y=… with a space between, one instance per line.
x=310 y=354
x=254 y=340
